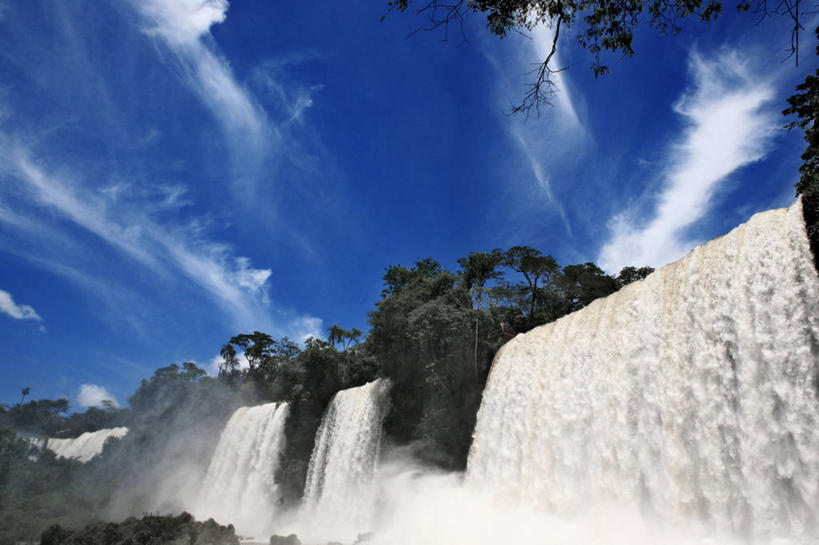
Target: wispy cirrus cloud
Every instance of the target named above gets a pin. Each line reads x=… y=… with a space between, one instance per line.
x=18 y=312
x=727 y=127
x=65 y=203
x=541 y=44
x=551 y=133
x=166 y=249
x=183 y=26
x=289 y=99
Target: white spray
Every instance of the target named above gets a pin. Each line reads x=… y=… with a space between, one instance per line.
x=239 y=487
x=340 y=491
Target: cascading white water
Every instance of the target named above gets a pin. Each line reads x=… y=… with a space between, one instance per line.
x=239 y=487
x=86 y=446
x=690 y=395
x=340 y=488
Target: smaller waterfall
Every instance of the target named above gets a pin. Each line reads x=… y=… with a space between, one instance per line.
x=239 y=486
x=340 y=489
x=86 y=446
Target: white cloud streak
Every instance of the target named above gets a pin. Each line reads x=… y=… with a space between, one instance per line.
x=182 y=22
x=18 y=312
x=183 y=26
x=231 y=281
x=552 y=134
x=542 y=39
x=92 y=395
x=45 y=197
x=525 y=142
x=727 y=128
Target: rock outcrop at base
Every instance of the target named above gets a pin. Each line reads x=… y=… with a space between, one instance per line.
x=148 y=530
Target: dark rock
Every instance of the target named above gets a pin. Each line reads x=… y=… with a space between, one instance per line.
x=149 y=530
x=292 y=539
x=54 y=535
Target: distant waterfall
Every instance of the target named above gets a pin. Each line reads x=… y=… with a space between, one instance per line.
x=691 y=395
x=239 y=487
x=86 y=446
x=340 y=489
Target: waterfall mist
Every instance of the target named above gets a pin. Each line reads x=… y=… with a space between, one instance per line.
x=340 y=491
x=239 y=486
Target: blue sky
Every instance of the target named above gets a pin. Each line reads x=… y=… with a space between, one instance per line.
x=174 y=173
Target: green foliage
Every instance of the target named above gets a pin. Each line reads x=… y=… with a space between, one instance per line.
x=422 y=335
x=33 y=491
x=42 y=417
x=435 y=333
x=805 y=105
x=340 y=336
x=169 y=386
x=477 y=269
x=93 y=419
x=582 y=284
x=176 y=417
x=535 y=268
x=628 y=275
x=148 y=530
x=264 y=356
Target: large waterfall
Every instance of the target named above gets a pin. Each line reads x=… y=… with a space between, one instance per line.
x=239 y=487
x=86 y=446
x=691 y=395
x=340 y=489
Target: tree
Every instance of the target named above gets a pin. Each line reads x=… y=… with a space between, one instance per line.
x=601 y=25
x=632 y=274
x=476 y=269
x=805 y=105
x=166 y=384
x=336 y=334
x=397 y=277
x=263 y=354
x=25 y=391
x=339 y=335
x=582 y=284
x=534 y=267
x=422 y=335
x=39 y=417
